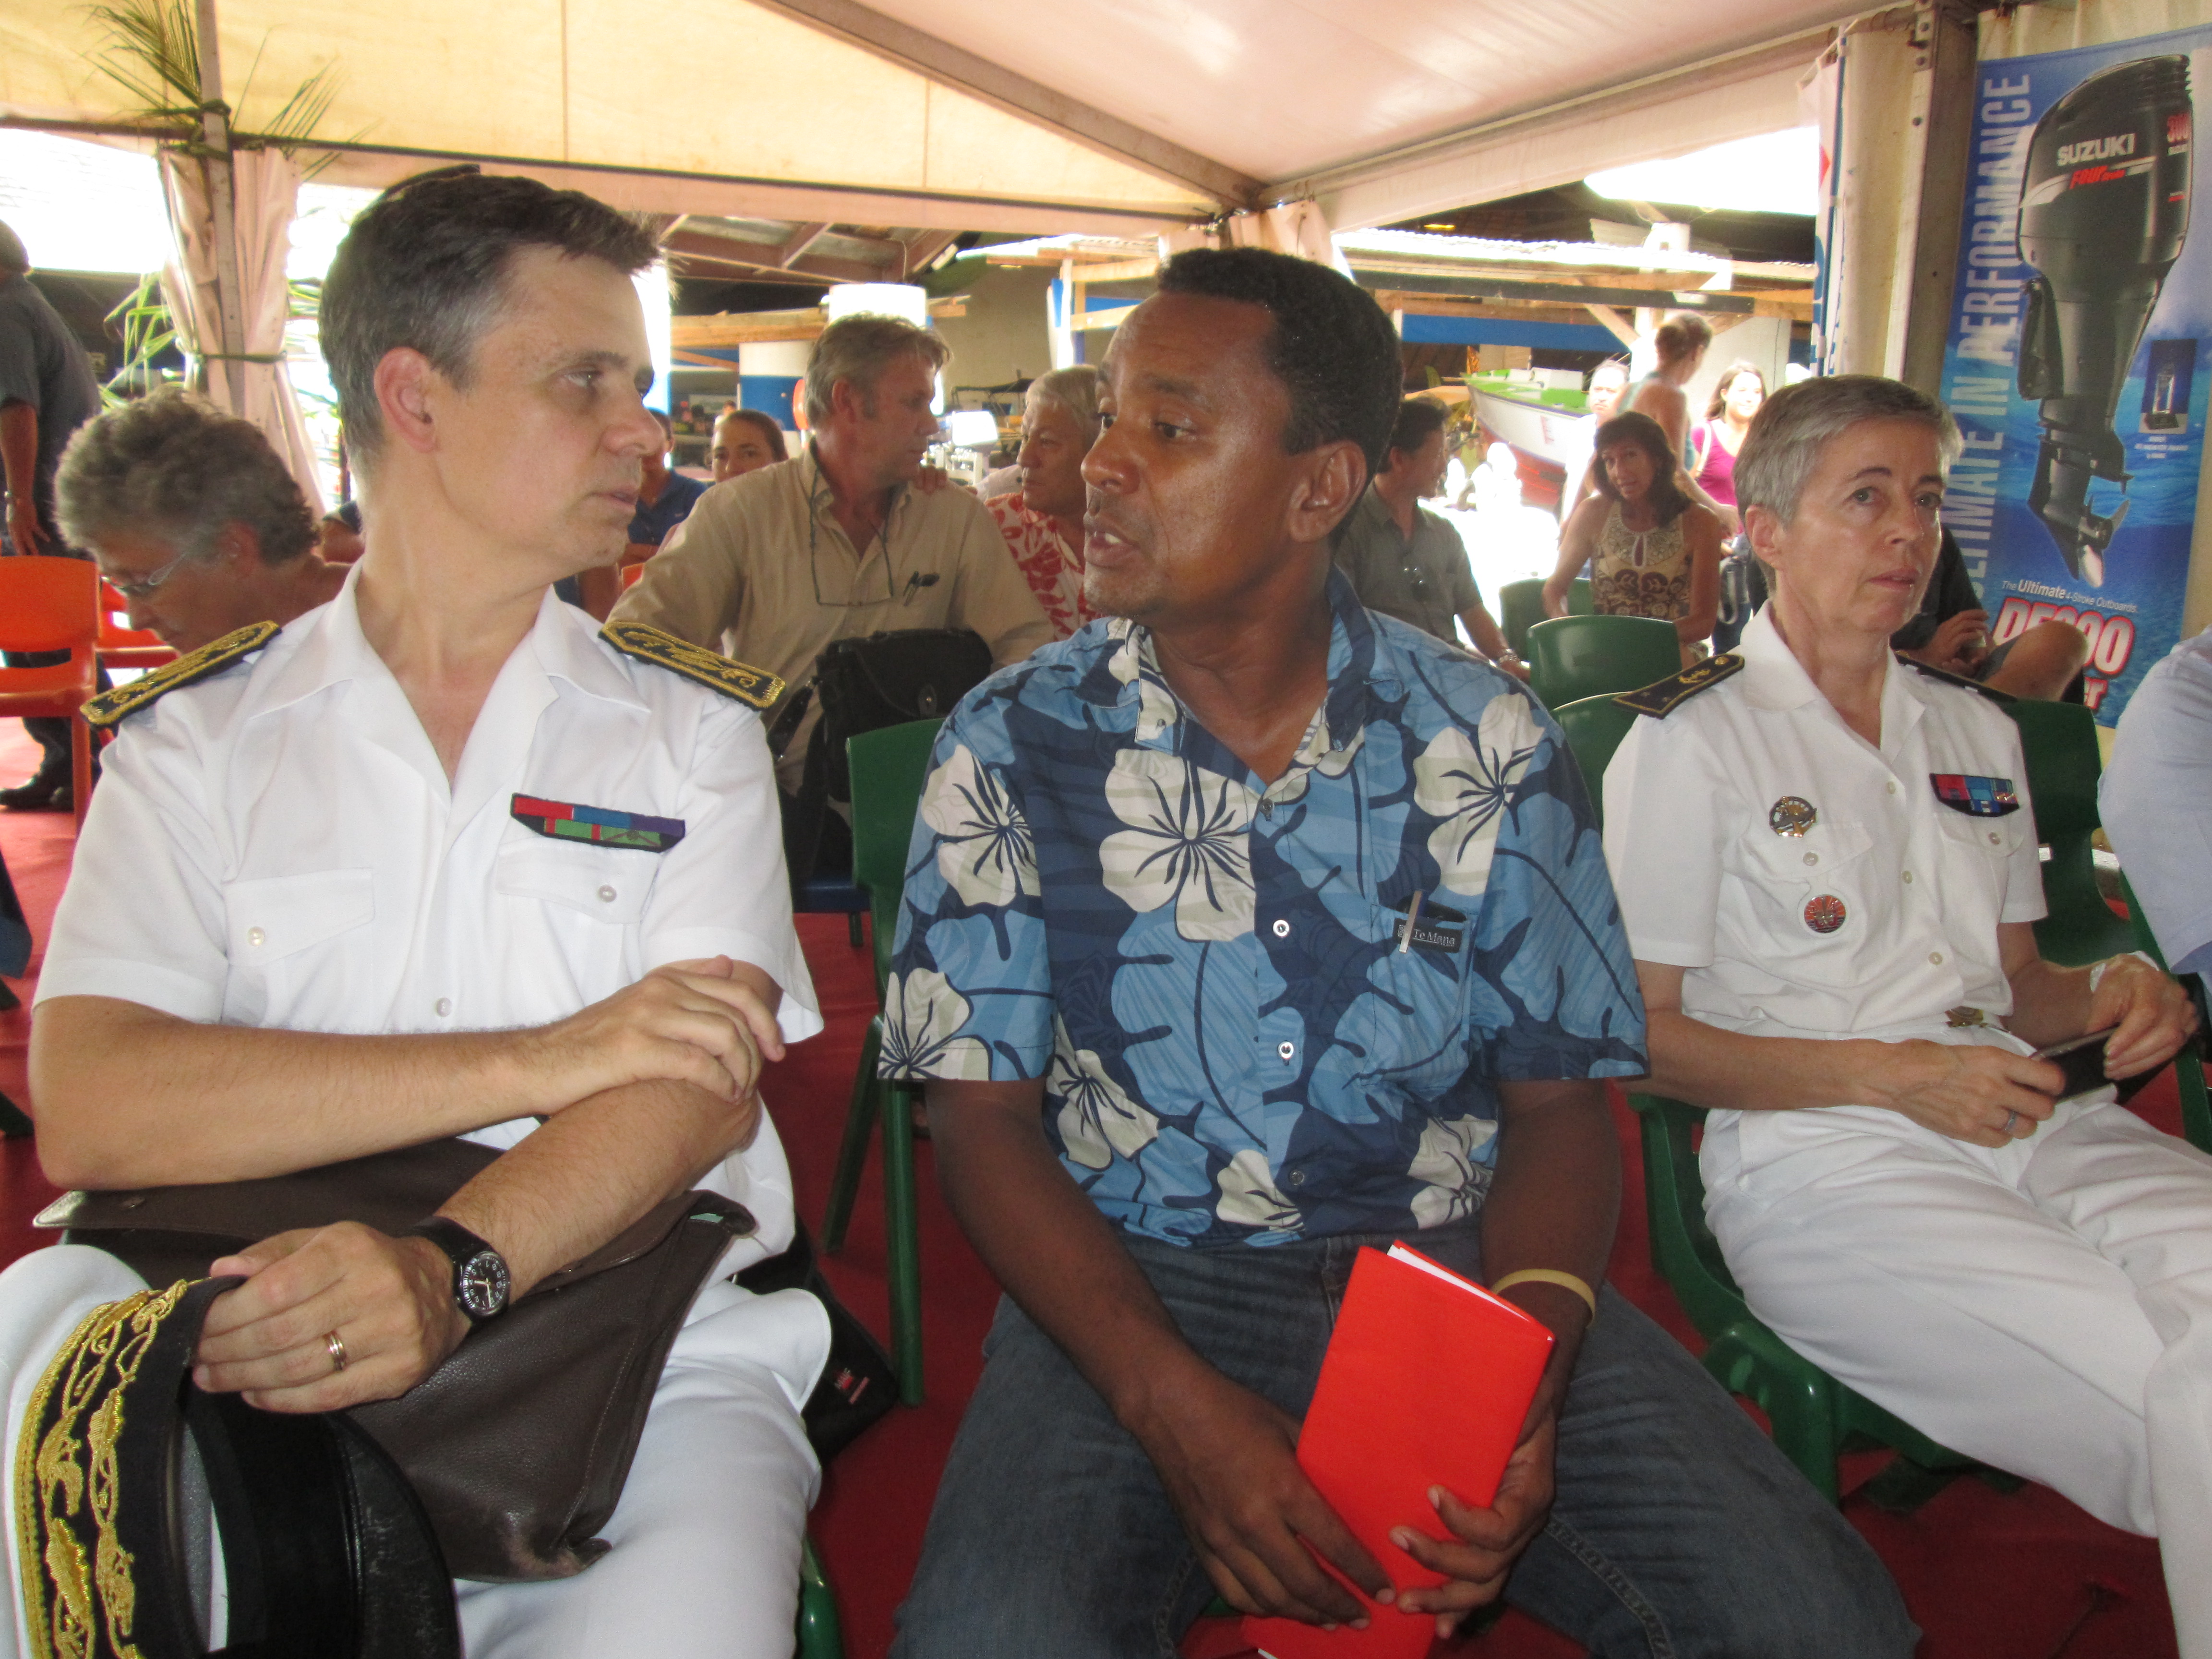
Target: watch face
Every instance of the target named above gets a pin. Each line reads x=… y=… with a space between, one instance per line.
x=480 y=1284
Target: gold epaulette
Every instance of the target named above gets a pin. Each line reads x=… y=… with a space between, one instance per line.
x=755 y=687
x=109 y=707
x=1959 y=680
x=1662 y=697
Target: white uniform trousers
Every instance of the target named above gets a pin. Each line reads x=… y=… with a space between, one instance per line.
x=2044 y=1307
x=706 y=1537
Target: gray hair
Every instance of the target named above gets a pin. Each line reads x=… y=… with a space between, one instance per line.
x=857 y=350
x=1793 y=426
x=1076 y=390
x=174 y=467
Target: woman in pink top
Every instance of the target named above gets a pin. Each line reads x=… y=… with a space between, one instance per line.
x=1717 y=438
x=1042 y=521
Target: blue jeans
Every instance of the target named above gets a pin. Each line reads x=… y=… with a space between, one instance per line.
x=1678 y=1529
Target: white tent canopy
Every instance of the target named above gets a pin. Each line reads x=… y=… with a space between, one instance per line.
x=1111 y=116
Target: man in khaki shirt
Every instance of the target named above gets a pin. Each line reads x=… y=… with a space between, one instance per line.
x=773 y=566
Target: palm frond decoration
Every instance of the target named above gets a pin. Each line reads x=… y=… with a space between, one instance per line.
x=152 y=52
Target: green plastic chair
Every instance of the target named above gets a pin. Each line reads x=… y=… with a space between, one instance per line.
x=1594 y=727
x=888 y=768
x=1814 y=1418
x=2188 y=1063
x=820 y=1635
x=2059 y=740
x=1570 y=657
x=1521 y=607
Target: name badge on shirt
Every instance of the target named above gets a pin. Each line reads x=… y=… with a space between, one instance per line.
x=602 y=825
x=1429 y=925
x=1979 y=797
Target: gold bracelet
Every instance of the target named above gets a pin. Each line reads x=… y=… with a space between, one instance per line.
x=1566 y=1281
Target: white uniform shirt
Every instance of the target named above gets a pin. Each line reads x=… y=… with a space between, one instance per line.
x=278 y=846
x=1909 y=890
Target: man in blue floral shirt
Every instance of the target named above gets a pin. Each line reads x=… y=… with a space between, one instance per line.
x=1245 y=928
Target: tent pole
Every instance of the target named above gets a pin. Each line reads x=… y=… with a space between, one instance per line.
x=222 y=201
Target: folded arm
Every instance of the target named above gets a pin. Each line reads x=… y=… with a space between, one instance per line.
x=125 y=1096
x=1226 y=1456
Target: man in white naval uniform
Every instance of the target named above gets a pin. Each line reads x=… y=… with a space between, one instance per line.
x=1827 y=867
x=436 y=860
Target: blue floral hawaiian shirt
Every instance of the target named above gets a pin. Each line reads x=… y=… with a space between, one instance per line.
x=1247 y=1031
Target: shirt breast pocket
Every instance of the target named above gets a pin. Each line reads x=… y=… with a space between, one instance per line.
x=1817 y=897
x=1977 y=853
x=293 y=944
x=605 y=885
x=1413 y=1014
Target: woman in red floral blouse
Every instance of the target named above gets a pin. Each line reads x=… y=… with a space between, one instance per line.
x=1042 y=521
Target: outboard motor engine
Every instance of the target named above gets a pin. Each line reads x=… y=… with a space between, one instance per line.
x=2103 y=209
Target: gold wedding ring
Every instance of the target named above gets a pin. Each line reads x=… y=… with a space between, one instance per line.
x=336 y=1346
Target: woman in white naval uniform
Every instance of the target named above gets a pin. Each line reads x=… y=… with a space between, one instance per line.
x=1828 y=870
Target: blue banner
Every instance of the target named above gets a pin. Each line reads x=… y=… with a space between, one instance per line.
x=2080 y=362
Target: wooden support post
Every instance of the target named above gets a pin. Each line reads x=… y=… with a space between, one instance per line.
x=222 y=206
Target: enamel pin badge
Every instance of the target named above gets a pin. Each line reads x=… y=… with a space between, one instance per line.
x=1793 y=814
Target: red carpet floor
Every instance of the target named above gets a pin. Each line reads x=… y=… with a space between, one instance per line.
x=1988 y=1576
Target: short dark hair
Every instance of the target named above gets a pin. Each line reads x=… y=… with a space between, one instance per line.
x=1647 y=434
x=425 y=267
x=175 y=468
x=1419 y=420
x=13 y=258
x=1334 y=348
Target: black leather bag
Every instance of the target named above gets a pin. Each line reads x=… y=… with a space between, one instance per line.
x=888 y=679
x=864 y=685
x=519 y=1444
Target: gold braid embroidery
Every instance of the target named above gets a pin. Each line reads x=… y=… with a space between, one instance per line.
x=71 y=1615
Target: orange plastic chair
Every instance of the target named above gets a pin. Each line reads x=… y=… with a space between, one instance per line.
x=52 y=604
x=630 y=572
x=121 y=646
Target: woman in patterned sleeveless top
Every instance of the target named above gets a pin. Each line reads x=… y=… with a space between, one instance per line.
x=1651 y=551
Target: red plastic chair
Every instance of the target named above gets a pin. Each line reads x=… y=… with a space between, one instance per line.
x=122 y=647
x=52 y=604
x=630 y=572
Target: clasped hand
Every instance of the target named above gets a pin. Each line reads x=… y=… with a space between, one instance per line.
x=1230 y=1465
x=388 y=1301
x=1990 y=1097
x=698 y=1023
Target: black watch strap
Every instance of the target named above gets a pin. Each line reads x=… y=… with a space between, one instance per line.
x=480 y=1274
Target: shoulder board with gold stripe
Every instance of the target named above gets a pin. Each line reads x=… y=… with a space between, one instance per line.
x=1959 y=680
x=109 y=707
x=1662 y=697
x=754 y=687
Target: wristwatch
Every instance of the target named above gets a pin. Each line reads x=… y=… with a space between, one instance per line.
x=480 y=1275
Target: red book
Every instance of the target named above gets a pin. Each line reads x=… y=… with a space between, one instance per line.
x=1427 y=1381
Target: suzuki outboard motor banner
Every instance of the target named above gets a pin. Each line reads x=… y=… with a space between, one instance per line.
x=2080 y=362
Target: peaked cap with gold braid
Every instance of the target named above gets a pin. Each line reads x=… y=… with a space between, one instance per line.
x=326 y=1549
x=1662 y=697
x=754 y=687
x=110 y=708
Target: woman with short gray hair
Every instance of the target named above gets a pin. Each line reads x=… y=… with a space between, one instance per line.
x=1043 y=520
x=1827 y=868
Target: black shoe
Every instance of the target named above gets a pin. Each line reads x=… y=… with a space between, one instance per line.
x=41 y=792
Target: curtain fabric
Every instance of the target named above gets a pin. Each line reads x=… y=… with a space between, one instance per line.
x=268 y=191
